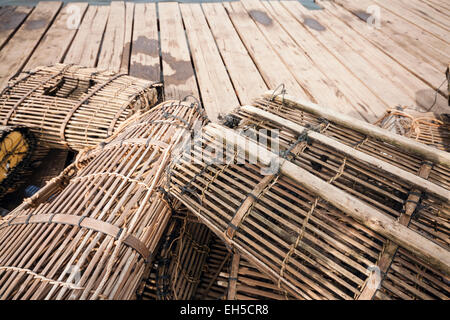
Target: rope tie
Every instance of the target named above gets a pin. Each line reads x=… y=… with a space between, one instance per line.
x=187 y=187
x=42 y=278
x=272 y=98
x=297 y=241
x=340 y=171
x=301 y=138
x=232 y=161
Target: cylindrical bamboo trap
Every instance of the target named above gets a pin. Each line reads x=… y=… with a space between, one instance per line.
x=95 y=239
x=426 y=127
x=17 y=146
x=163 y=283
x=68 y=106
x=230 y=276
x=341 y=202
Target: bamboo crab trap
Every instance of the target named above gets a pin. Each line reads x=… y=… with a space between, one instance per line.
x=344 y=209
x=69 y=106
x=94 y=237
x=423 y=127
x=17 y=146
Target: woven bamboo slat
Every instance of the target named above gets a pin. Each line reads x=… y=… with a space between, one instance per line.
x=161 y=284
x=178 y=266
x=245 y=282
x=216 y=265
x=69 y=106
x=96 y=238
x=17 y=146
x=149 y=289
x=426 y=128
x=248 y=283
x=349 y=200
x=182 y=258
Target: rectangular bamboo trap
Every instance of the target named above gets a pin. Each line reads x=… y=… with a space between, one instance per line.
x=95 y=236
x=69 y=106
x=423 y=127
x=351 y=206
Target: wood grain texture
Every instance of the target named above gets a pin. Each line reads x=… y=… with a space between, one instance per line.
x=85 y=47
x=11 y=18
x=144 y=61
x=178 y=72
x=58 y=38
x=245 y=76
x=217 y=91
x=261 y=52
x=17 y=51
x=113 y=44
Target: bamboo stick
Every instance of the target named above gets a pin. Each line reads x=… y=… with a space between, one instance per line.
x=403 y=143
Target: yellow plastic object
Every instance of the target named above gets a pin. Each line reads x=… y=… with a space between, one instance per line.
x=13 y=149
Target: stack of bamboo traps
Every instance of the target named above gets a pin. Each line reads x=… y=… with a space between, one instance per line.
x=17 y=146
x=96 y=235
x=69 y=106
x=425 y=127
x=329 y=207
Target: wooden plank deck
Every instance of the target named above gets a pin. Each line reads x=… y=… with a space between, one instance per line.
x=227 y=53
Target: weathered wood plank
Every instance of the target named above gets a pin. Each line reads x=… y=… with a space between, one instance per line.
x=178 y=73
x=311 y=78
x=428 y=13
x=390 y=81
x=403 y=56
x=11 y=18
x=217 y=92
x=361 y=97
x=16 y=52
x=438 y=5
x=269 y=64
x=403 y=11
x=126 y=54
x=246 y=79
x=144 y=61
x=58 y=38
x=415 y=40
x=113 y=44
x=85 y=46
